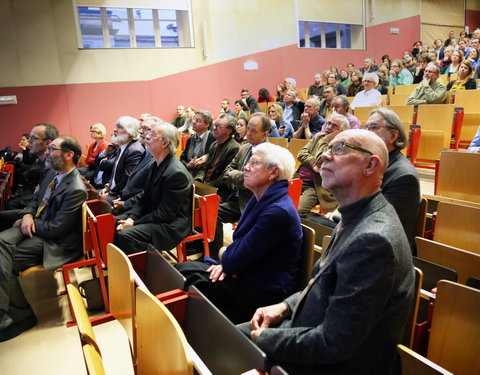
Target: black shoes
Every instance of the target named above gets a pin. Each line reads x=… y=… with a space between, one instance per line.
x=17 y=327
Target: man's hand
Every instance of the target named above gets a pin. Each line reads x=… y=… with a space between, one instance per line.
x=305 y=118
x=426 y=81
x=17 y=223
x=201 y=160
x=216 y=273
x=266 y=316
x=281 y=130
x=123 y=224
x=332 y=135
x=329 y=216
x=117 y=203
x=104 y=192
x=27 y=225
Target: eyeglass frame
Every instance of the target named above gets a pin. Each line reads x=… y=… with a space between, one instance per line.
x=349 y=145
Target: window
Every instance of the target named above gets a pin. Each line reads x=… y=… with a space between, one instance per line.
x=328 y=35
x=112 y=27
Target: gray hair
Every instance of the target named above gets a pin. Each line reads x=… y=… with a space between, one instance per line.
x=394 y=123
x=154 y=120
x=374 y=76
x=344 y=124
x=207 y=116
x=231 y=122
x=293 y=92
x=291 y=80
x=170 y=133
x=344 y=99
x=131 y=126
x=276 y=156
x=315 y=103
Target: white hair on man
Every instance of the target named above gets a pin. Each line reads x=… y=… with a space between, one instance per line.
x=373 y=76
x=276 y=156
x=131 y=126
x=291 y=80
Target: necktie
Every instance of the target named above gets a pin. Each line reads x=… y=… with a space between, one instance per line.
x=48 y=193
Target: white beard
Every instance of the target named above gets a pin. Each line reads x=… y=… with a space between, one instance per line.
x=120 y=139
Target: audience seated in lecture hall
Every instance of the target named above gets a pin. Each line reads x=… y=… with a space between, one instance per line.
x=261 y=265
x=354 y=310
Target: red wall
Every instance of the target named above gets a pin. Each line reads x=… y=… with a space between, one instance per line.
x=73 y=108
x=472 y=19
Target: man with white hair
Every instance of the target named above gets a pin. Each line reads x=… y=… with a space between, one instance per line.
x=292 y=108
x=291 y=84
x=125 y=134
x=370 y=96
x=311 y=120
x=429 y=91
x=160 y=214
x=368 y=66
x=353 y=313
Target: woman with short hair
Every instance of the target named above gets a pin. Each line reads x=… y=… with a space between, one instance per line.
x=261 y=266
x=97 y=133
x=285 y=128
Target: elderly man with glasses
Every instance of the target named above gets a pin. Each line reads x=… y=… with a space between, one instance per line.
x=49 y=233
x=429 y=91
x=370 y=96
x=354 y=310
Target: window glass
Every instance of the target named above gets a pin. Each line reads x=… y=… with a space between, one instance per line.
x=334 y=35
x=91 y=27
x=118 y=27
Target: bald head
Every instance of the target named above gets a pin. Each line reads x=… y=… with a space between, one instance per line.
x=354 y=165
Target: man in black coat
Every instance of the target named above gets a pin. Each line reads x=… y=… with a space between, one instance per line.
x=250 y=101
x=162 y=214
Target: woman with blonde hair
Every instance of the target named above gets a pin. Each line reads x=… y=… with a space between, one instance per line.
x=97 y=133
x=464 y=79
x=285 y=128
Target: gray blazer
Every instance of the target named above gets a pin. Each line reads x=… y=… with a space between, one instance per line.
x=61 y=225
x=355 y=308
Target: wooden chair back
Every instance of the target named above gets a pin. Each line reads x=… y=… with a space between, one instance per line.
x=399 y=99
x=457 y=225
x=121 y=288
x=204 y=189
x=455 y=330
x=436 y=121
x=468 y=99
x=405 y=89
x=306 y=265
x=295 y=146
x=363 y=113
x=465 y=263
x=414 y=363
x=263 y=107
x=412 y=317
x=282 y=142
x=320 y=231
x=421 y=218
x=405 y=112
x=458 y=176
x=93 y=360
x=162 y=346
x=85 y=330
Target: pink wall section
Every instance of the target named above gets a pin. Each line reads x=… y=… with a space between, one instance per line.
x=472 y=19
x=72 y=108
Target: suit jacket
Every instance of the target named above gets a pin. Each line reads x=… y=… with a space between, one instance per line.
x=353 y=312
x=309 y=155
x=165 y=203
x=229 y=150
x=234 y=174
x=61 y=225
x=297 y=110
x=137 y=180
x=128 y=161
x=401 y=188
x=185 y=158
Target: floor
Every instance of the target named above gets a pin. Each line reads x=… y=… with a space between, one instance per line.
x=51 y=348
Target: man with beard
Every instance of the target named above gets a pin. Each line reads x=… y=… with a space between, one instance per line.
x=40 y=137
x=48 y=233
x=130 y=151
x=138 y=177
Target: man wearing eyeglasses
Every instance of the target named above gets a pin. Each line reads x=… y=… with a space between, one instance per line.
x=353 y=312
x=429 y=91
x=40 y=137
x=49 y=233
x=370 y=96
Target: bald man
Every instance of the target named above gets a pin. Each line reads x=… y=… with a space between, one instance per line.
x=353 y=312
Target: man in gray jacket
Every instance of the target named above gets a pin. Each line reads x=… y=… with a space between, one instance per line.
x=353 y=312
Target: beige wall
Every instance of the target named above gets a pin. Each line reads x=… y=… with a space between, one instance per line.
x=38 y=41
x=390 y=10
x=473 y=4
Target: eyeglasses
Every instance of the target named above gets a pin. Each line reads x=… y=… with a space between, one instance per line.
x=337 y=148
x=368 y=80
x=33 y=138
x=218 y=126
x=333 y=125
x=51 y=149
x=375 y=127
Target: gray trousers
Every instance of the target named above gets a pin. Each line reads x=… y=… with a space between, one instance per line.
x=17 y=253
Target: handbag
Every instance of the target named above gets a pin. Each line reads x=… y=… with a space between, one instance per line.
x=92 y=292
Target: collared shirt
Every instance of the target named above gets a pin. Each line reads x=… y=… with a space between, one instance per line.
x=370 y=98
x=122 y=149
x=60 y=176
x=288 y=113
